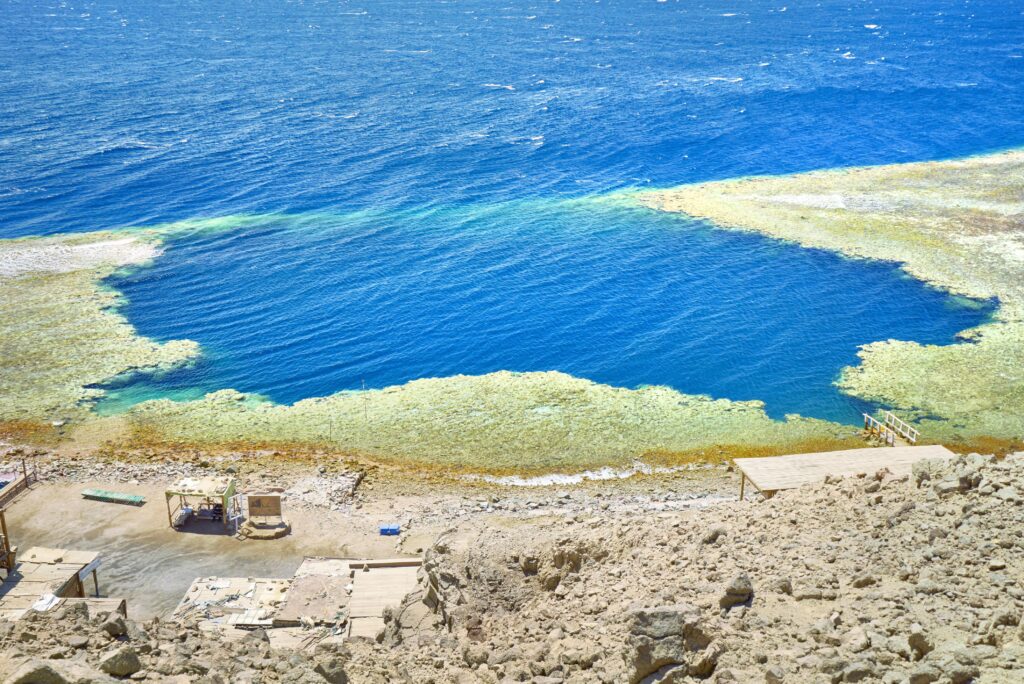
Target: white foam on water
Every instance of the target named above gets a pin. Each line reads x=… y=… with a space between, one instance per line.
x=561 y=479
x=55 y=257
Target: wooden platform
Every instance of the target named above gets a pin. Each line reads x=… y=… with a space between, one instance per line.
x=346 y=595
x=375 y=589
x=43 y=576
x=774 y=473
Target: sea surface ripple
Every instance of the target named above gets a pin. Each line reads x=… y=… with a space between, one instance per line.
x=432 y=178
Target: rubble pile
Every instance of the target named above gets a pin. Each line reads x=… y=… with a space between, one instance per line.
x=76 y=646
x=863 y=579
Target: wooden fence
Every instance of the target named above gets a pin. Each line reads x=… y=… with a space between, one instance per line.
x=26 y=479
x=891 y=430
x=877 y=427
x=901 y=428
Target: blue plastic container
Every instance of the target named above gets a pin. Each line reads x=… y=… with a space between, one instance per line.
x=390 y=530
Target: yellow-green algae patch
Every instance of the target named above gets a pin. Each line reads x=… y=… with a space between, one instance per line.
x=957 y=224
x=498 y=422
x=61 y=332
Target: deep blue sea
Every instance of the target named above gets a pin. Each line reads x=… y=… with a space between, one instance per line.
x=425 y=183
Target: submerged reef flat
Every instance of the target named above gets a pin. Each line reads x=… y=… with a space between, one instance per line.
x=497 y=422
x=61 y=333
x=954 y=224
x=62 y=338
x=958 y=225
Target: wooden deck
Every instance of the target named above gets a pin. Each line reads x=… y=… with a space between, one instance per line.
x=325 y=591
x=376 y=589
x=774 y=473
x=43 y=572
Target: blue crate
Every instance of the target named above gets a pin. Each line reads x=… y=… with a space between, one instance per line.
x=390 y=530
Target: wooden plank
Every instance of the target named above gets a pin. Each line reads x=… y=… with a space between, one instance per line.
x=12 y=489
x=365 y=627
x=108 y=496
x=378 y=588
x=407 y=562
x=786 y=472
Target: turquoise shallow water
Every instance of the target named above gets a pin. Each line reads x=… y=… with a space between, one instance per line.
x=434 y=172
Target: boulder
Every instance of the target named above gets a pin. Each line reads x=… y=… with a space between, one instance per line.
x=918 y=642
x=332 y=670
x=121 y=662
x=36 y=672
x=666 y=637
x=924 y=674
x=738 y=592
x=714 y=534
x=114 y=626
x=858 y=671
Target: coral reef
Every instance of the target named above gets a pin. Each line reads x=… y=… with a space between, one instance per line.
x=499 y=422
x=957 y=225
x=61 y=332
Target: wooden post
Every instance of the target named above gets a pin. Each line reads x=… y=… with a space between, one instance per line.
x=96 y=583
x=743 y=482
x=7 y=541
x=170 y=520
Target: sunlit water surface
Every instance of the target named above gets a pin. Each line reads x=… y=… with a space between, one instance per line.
x=431 y=180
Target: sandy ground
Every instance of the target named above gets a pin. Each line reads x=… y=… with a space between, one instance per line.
x=152 y=566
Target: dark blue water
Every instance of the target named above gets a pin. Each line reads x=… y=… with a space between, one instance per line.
x=425 y=155
x=618 y=295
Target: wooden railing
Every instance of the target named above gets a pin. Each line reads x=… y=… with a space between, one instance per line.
x=891 y=429
x=877 y=427
x=901 y=428
x=27 y=478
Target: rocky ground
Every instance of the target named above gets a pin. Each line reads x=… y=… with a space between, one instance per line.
x=73 y=645
x=862 y=579
x=332 y=489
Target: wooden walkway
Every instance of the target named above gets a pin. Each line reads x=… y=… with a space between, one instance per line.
x=773 y=473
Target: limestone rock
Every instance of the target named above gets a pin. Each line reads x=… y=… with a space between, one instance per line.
x=121 y=662
x=36 y=672
x=738 y=591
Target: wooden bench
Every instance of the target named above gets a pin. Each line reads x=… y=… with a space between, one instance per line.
x=114 y=497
